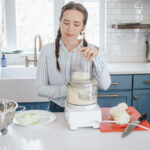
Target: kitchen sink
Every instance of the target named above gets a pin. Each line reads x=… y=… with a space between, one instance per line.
x=18 y=72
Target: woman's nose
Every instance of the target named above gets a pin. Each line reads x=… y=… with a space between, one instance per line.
x=70 y=27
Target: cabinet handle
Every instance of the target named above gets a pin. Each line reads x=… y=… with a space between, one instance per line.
x=114 y=83
x=112 y=95
x=146 y=82
x=135 y=97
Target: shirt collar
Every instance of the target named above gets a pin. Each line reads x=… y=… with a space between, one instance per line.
x=65 y=49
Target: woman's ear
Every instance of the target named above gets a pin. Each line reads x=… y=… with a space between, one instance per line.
x=82 y=30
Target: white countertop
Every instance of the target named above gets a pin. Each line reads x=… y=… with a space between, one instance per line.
x=58 y=136
x=129 y=68
x=114 y=68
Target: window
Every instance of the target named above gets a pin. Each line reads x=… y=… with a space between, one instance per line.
x=1 y=16
x=2 y=28
x=26 y=18
x=34 y=17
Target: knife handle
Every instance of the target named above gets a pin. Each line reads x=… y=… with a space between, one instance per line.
x=143 y=117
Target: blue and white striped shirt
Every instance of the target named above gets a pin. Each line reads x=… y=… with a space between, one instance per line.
x=52 y=84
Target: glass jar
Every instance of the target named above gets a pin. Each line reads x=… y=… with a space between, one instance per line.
x=82 y=94
x=80 y=68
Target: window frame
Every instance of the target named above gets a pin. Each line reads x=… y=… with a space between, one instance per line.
x=103 y=25
x=10 y=24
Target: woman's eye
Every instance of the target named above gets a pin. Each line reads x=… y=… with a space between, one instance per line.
x=66 y=23
x=76 y=25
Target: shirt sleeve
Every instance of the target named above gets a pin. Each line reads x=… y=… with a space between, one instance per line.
x=42 y=81
x=100 y=71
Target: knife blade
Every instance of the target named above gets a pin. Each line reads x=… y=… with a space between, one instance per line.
x=130 y=127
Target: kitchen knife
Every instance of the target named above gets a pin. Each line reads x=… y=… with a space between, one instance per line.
x=130 y=127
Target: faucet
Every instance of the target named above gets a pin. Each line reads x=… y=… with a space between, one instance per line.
x=35 y=60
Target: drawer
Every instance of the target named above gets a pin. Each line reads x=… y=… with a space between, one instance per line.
x=110 y=99
x=141 y=81
x=120 y=82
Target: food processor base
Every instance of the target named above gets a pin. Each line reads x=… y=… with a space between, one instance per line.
x=83 y=118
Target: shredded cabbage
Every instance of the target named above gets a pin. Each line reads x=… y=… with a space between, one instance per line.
x=27 y=119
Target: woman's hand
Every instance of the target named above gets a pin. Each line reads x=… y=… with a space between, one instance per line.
x=88 y=52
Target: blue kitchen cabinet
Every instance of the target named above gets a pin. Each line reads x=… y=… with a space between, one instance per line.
x=42 y=105
x=28 y=105
x=119 y=91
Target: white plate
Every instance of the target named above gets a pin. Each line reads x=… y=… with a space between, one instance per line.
x=46 y=117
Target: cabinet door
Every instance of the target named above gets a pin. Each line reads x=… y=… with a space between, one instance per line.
x=28 y=106
x=109 y=99
x=141 y=101
x=42 y=105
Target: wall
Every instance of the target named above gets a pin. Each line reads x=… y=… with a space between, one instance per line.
x=126 y=45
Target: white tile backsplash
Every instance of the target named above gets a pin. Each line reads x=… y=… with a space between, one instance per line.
x=127 y=45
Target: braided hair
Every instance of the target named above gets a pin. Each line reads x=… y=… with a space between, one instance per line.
x=85 y=44
x=57 y=48
x=69 y=6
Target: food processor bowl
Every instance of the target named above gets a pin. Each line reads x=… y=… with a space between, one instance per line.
x=82 y=94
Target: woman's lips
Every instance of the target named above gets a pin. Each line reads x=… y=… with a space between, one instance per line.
x=69 y=35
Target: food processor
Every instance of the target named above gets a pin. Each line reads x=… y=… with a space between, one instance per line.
x=81 y=108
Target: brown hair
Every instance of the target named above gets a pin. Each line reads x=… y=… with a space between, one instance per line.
x=69 y=6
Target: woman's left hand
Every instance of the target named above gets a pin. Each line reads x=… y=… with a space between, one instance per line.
x=88 y=52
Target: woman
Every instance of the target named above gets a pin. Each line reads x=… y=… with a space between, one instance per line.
x=54 y=61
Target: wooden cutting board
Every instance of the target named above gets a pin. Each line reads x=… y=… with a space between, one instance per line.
x=113 y=127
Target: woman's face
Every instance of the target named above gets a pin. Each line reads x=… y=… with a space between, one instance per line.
x=71 y=24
